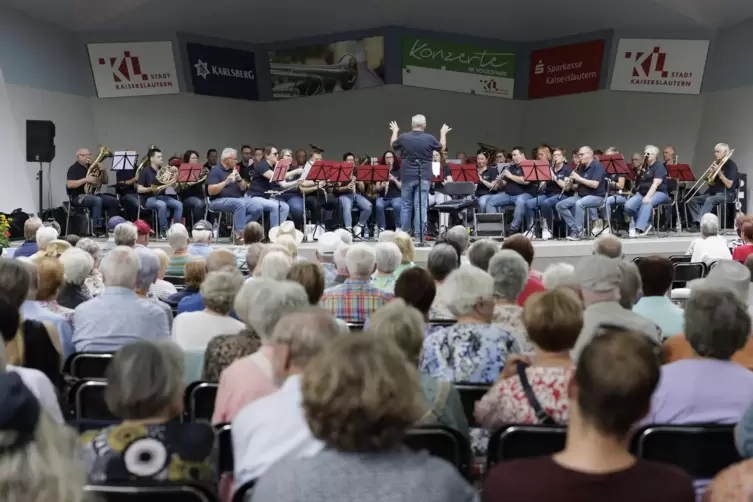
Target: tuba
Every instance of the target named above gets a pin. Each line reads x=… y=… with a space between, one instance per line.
x=95 y=169
x=144 y=160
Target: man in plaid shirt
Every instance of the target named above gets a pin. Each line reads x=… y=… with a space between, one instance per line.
x=356 y=299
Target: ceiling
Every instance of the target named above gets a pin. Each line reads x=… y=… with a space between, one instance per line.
x=276 y=20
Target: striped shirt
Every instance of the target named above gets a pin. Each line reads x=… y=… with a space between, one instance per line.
x=354 y=300
x=177 y=264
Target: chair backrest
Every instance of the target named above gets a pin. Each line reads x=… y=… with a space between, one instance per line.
x=523 y=441
x=198 y=401
x=445 y=443
x=680 y=258
x=89 y=401
x=156 y=493
x=638 y=259
x=673 y=186
x=355 y=327
x=700 y=450
x=460 y=188
x=87 y=365
x=686 y=272
x=225 y=448
x=176 y=280
x=470 y=394
x=442 y=322
x=243 y=493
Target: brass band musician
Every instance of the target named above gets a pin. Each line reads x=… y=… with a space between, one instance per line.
x=721 y=189
x=651 y=190
x=349 y=195
x=389 y=192
x=616 y=190
x=77 y=178
x=192 y=196
x=154 y=201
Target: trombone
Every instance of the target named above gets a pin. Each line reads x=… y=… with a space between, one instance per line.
x=709 y=176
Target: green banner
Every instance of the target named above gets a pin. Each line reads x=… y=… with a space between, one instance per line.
x=464 y=58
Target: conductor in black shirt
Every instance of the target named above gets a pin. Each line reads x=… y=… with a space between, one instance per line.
x=75 y=186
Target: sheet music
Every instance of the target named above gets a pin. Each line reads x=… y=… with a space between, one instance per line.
x=436 y=168
x=124 y=161
x=306 y=171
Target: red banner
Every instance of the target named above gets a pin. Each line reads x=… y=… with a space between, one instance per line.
x=569 y=69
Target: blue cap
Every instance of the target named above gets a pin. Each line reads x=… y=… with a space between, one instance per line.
x=114 y=222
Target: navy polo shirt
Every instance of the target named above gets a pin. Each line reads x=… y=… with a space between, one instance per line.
x=552 y=188
x=489 y=175
x=393 y=191
x=730 y=172
x=121 y=177
x=246 y=172
x=512 y=188
x=594 y=171
x=655 y=171
x=218 y=174
x=75 y=173
x=417 y=149
x=259 y=183
x=615 y=178
x=147 y=178
x=439 y=187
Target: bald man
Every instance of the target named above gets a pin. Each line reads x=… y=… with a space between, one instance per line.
x=669 y=155
x=77 y=179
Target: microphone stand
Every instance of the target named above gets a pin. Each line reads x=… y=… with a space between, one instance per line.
x=421 y=242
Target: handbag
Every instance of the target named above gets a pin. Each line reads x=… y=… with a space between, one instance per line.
x=543 y=417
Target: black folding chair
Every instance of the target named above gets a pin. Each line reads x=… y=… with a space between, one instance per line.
x=686 y=272
x=444 y=443
x=244 y=492
x=470 y=394
x=355 y=327
x=225 y=448
x=460 y=192
x=176 y=280
x=442 y=322
x=680 y=258
x=88 y=398
x=523 y=441
x=87 y=365
x=638 y=259
x=151 y=493
x=700 y=450
x=198 y=401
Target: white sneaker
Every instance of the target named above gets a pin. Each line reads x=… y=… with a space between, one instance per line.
x=357 y=230
x=546 y=234
x=631 y=233
x=529 y=234
x=606 y=231
x=598 y=226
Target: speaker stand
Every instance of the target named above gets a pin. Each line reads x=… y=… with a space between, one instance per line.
x=40 y=175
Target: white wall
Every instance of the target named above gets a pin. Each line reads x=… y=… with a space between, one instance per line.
x=15 y=187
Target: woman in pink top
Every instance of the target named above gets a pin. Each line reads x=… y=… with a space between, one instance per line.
x=553 y=320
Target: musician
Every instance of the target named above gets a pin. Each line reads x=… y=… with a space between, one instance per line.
x=589 y=176
x=157 y=201
x=652 y=191
x=258 y=154
x=388 y=192
x=300 y=158
x=348 y=195
x=514 y=190
x=500 y=157
x=193 y=196
x=615 y=184
x=315 y=197
x=211 y=158
x=544 y=153
x=721 y=189
x=225 y=188
x=258 y=190
x=552 y=190
x=77 y=178
x=294 y=197
x=417 y=147
x=246 y=165
x=669 y=156
x=462 y=157
x=486 y=187
x=440 y=196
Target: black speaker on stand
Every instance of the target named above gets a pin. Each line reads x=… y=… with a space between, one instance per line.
x=40 y=147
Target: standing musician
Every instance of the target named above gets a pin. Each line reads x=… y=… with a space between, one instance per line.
x=486 y=187
x=589 y=176
x=349 y=194
x=515 y=190
x=439 y=195
x=615 y=184
x=552 y=190
x=154 y=201
x=225 y=188
x=388 y=192
x=721 y=189
x=652 y=191
x=77 y=178
x=261 y=184
x=193 y=196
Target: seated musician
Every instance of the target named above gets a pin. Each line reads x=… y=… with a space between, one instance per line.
x=589 y=176
x=439 y=195
x=515 y=190
x=389 y=192
x=77 y=178
x=211 y=159
x=246 y=165
x=314 y=192
x=615 y=190
x=193 y=196
x=350 y=194
x=670 y=157
x=157 y=201
x=225 y=188
x=652 y=191
x=294 y=196
x=723 y=188
x=261 y=186
x=552 y=190
x=486 y=187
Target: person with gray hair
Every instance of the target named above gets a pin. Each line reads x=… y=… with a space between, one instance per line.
x=472 y=350
x=723 y=190
x=161 y=288
x=354 y=300
x=226 y=193
x=274 y=265
x=95 y=283
x=443 y=259
x=652 y=191
x=278 y=419
x=510 y=273
x=417 y=148
x=388 y=257
x=341 y=264
x=710 y=246
x=119 y=316
x=630 y=283
x=608 y=245
x=126 y=234
x=44 y=236
x=707 y=388
x=202 y=239
x=559 y=275
x=148 y=273
x=599 y=282
x=145 y=390
x=386 y=236
x=589 y=194
x=260 y=304
x=30 y=246
x=77 y=265
x=177 y=239
x=459 y=238
x=481 y=252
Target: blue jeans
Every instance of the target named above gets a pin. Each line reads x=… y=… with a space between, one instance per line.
x=346 y=206
x=99 y=204
x=501 y=200
x=613 y=200
x=381 y=205
x=295 y=204
x=409 y=196
x=545 y=204
x=278 y=209
x=161 y=203
x=130 y=202
x=483 y=203
x=702 y=204
x=635 y=208
x=243 y=211
x=196 y=206
x=565 y=210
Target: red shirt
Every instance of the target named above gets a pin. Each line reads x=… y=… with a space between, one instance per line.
x=741 y=252
x=532 y=286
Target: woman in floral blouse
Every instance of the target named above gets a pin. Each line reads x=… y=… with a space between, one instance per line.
x=554 y=320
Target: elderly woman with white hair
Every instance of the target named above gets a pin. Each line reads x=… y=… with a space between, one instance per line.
x=559 y=275
x=148 y=272
x=510 y=273
x=274 y=265
x=177 y=238
x=388 y=258
x=45 y=236
x=161 y=288
x=260 y=304
x=472 y=350
x=710 y=246
x=94 y=283
x=77 y=266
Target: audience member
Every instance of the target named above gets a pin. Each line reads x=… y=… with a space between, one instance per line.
x=53 y=250
x=407 y=251
x=610 y=392
x=708 y=388
x=341 y=264
x=510 y=273
x=145 y=390
x=194 y=274
x=94 y=283
x=356 y=299
x=143 y=231
x=177 y=238
x=710 y=246
x=459 y=238
x=253 y=233
x=253 y=253
x=44 y=236
x=112 y=224
x=523 y=246
x=471 y=350
x=29 y=246
x=442 y=260
x=274 y=427
x=559 y=275
x=125 y=234
x=553 y=320
x=325 y=254
x=386 y=236
x=599 y=281
x=416 y=288
x=345 y=236
x=481 y=252
x=740 y=220
x=749 y=265
x=72 y=239
x=50 y=273
x=118 y=317
x=742 y=252
x=630 y=283
x=201 y=234
x=274 y=265
x=193 y=330
x=310 y=275
x=609 y=246
x=733 y=484
x=657 y=274
x=219 y=259
x=162 y=289
x=388 y=258
x=148 y=272
x=360 y=397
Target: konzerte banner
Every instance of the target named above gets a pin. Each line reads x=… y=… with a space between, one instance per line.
x=569 y=69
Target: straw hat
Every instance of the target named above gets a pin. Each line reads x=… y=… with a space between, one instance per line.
x=286 y=228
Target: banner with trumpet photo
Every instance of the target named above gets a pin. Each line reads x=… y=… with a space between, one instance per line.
x=327 y=68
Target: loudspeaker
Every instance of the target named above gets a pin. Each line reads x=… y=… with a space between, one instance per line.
x=40 y=141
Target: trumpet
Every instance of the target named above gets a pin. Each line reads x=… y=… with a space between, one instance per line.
x=709 y=176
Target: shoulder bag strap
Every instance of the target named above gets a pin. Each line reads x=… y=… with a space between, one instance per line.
x=543 y=417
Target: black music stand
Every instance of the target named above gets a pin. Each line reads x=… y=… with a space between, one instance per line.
x=464 y=172
x=682 y=173
x=536 y=171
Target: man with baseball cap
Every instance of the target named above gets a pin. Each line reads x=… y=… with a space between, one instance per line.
x=143 y=231
x=202 y=239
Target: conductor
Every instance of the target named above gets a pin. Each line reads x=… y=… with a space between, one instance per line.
x=416 y=149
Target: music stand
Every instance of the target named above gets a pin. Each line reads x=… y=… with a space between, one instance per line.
x=535 y=171
x=189 y=173
x=281 y=170
x=123 y=161
x=464 y=172
x=373 y=174
x=680 y=172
